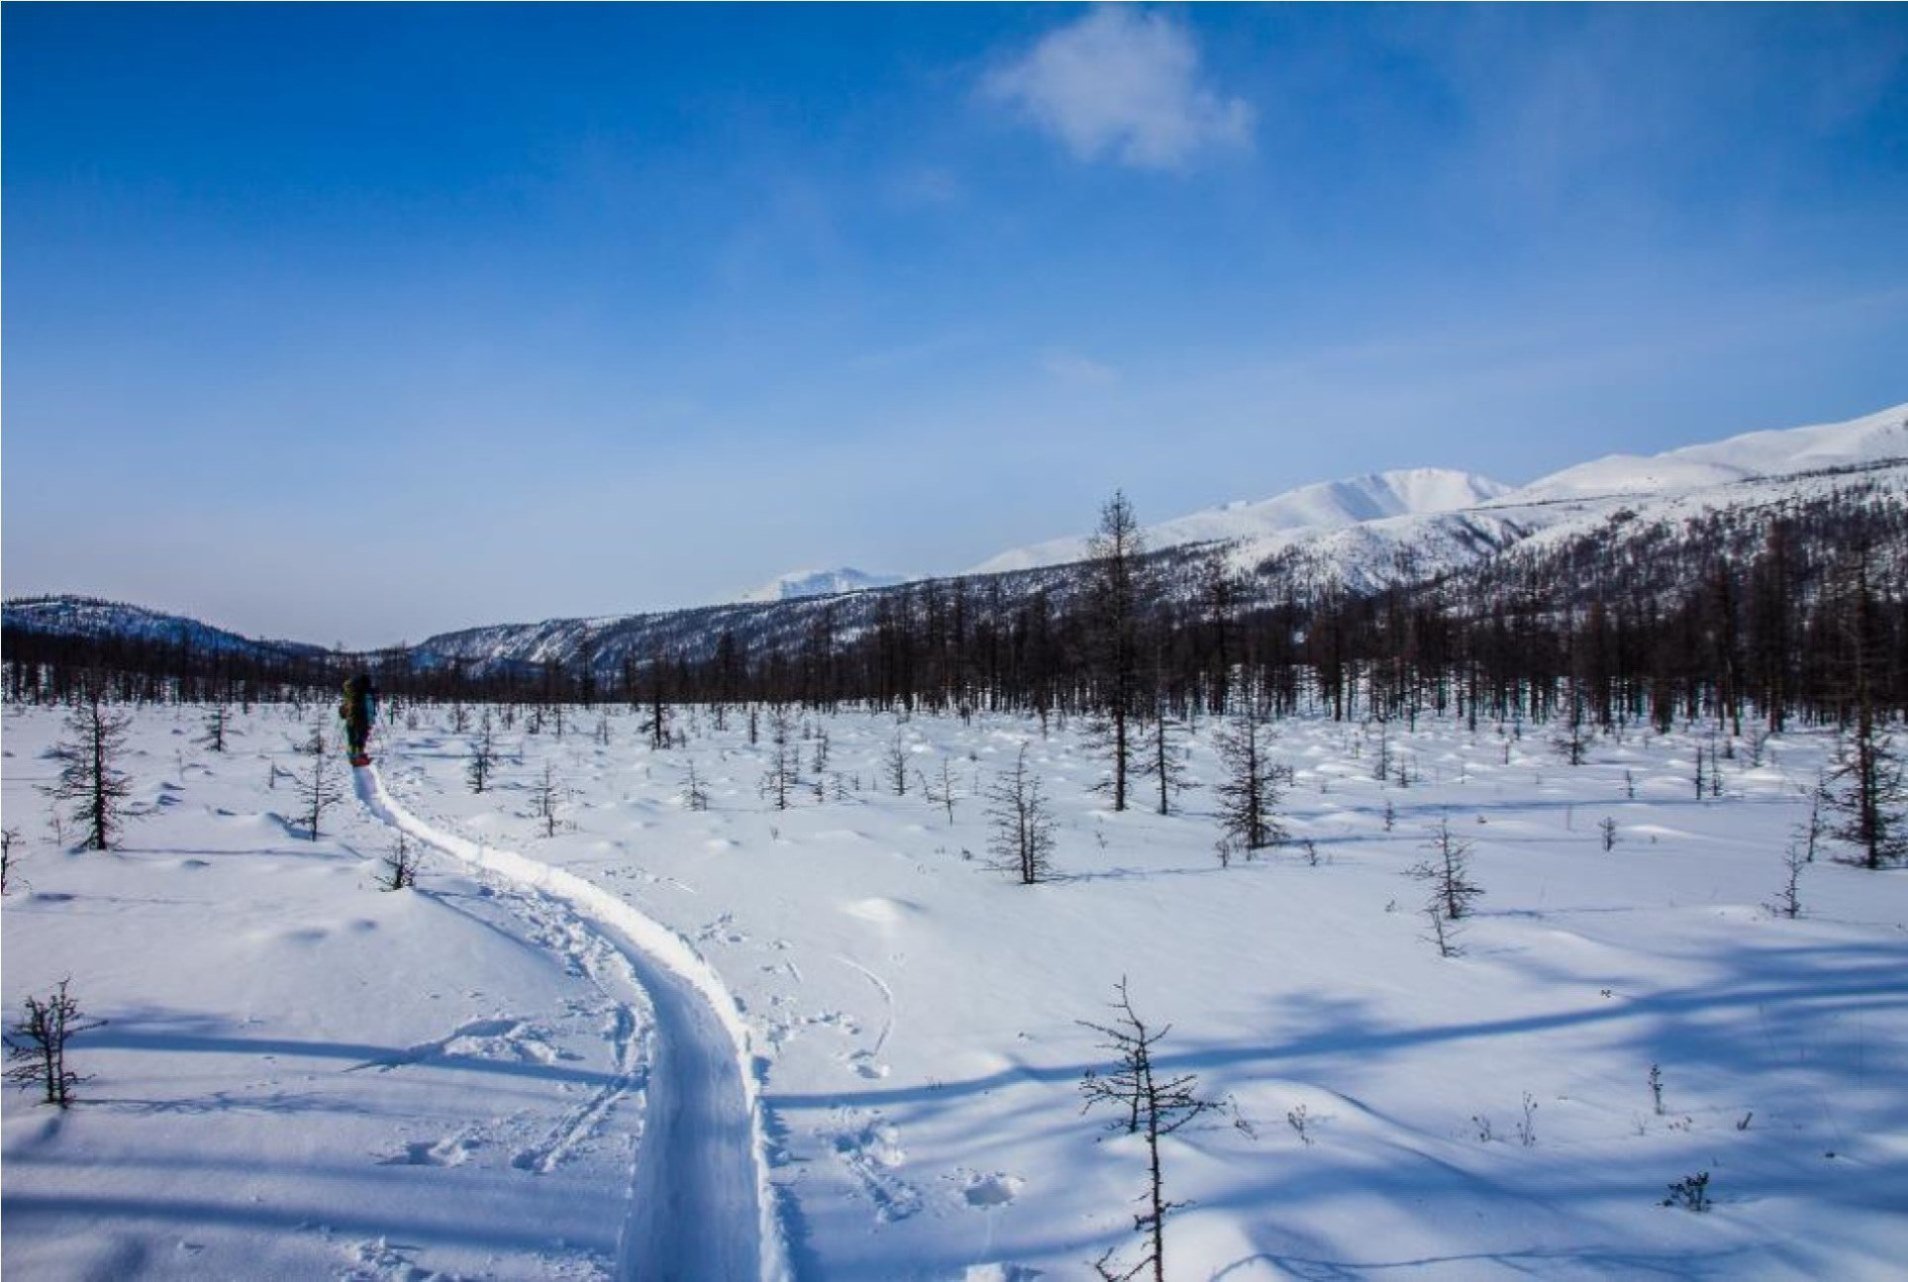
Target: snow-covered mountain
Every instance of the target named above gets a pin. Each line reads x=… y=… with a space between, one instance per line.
x=1295 y=514
x=1751 y=470
x=1367 y=531
x=1873 y=438
x=806 y=583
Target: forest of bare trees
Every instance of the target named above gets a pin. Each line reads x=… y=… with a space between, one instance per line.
x=1746 y=621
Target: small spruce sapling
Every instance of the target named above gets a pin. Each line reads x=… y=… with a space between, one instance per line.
x=940 y=792
x=1248 y=791
x=1451 y=891
x=1448 y=871
x=1572 y=743
x=895 y=762
x=483 y=755
x=783 y=775
x=217 y=725
x=694 y=794
x=1788 y=900
x=317 y=786
x=400 y=866
x=544 y=801
x=1810 y=830
x=1691 y=1192
x=90 y=777
x=36 y=1046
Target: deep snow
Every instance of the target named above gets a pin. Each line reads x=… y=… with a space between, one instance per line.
x=305 y=1077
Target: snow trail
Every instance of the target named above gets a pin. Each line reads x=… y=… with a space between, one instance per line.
x=702 y=1206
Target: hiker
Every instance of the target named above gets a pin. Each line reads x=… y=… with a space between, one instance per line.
x=357 y=711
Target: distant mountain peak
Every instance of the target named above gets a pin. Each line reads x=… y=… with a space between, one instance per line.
x=807 y=583
x=1310 y=509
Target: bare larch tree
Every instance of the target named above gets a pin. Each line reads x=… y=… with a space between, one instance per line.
x=1150 y=1104
x=483 y=755
x=1248 y=790
x=36 y=1046
x=90 y=778
x=1022 y=838
x=317 y=785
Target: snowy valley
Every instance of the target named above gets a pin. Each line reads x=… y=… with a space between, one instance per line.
x=302 y=1075
x=778 y=940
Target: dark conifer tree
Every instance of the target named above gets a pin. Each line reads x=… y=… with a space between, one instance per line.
x=1113 y=604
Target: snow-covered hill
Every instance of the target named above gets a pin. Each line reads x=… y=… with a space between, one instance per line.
x=92 y=617
x=807 y=583
x=1295 y=514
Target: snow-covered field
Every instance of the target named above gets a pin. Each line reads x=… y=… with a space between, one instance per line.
x=303 y=1076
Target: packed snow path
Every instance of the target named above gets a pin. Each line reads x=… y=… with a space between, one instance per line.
x=701 y=1205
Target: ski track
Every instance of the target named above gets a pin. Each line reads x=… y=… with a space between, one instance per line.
x=701 y=1205
x=887 y=997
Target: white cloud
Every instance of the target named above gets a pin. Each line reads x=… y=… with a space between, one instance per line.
x=1081 y=371
x=1124 y=84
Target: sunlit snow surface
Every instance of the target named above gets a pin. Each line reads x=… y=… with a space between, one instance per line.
x=305 y=1077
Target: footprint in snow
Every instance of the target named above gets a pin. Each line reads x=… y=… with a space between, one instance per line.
x=453 y=1150
x=864 y=1065
x=984 y=1192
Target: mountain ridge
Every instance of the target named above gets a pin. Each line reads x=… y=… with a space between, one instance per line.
x=1316 y=539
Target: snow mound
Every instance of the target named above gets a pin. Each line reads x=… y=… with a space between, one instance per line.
x=883 y=912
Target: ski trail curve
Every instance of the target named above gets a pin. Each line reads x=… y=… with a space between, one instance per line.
x=702 y=1206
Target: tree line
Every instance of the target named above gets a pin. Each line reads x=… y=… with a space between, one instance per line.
x=1809 y=623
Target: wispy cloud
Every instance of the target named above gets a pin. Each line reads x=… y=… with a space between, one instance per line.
x=1076 y=369
x=1123 y=84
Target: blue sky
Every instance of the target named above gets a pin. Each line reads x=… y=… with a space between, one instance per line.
x=359 y=322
